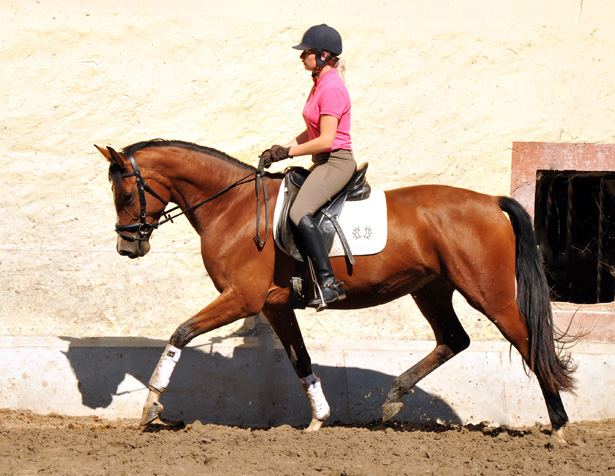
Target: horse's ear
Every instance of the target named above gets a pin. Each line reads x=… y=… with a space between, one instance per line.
x=104 y=152
x=114 y=157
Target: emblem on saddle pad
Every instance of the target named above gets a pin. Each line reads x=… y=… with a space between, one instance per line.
x=353 y=223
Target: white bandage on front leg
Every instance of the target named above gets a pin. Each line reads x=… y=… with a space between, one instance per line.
x=318 y=402
x=162 y=375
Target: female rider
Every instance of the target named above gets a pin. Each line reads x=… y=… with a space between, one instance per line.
x=327 y=139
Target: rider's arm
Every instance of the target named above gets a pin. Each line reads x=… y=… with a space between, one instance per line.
x=322 y=143
x=300 y=139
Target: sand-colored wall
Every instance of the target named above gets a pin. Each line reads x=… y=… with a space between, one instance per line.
x=440 y=91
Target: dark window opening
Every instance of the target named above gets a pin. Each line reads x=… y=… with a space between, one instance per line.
x=575 y=226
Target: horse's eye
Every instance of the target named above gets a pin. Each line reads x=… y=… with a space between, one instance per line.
x=127 y=198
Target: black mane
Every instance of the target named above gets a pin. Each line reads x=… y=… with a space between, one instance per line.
x=131 y=149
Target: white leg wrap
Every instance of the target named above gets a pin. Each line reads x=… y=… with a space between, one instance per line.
x=318 y=402
x=162 y=375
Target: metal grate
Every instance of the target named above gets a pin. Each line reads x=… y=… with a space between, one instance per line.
x=575 y=227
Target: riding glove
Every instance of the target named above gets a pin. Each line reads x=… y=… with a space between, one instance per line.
x=275 y=154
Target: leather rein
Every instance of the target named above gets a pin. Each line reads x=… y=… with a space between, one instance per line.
x=140 y=231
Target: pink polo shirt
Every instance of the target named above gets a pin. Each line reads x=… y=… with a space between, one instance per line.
x=329 y=97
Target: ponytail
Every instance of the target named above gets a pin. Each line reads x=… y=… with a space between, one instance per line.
x=340 y=64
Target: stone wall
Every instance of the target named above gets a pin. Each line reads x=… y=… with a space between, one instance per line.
x=440 y=91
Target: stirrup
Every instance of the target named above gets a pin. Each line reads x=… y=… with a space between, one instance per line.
x=327 y=294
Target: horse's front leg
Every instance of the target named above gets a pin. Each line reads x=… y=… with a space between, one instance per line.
x=285 y=325
x=158 y=383
x=223 y=310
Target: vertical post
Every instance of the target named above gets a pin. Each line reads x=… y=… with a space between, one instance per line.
x=600 y=240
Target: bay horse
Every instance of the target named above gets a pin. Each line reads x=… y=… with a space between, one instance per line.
x=440 y=239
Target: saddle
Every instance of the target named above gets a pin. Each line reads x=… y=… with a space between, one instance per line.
x=326 y=218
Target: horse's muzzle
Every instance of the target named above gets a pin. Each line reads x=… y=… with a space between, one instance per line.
x=132 y=249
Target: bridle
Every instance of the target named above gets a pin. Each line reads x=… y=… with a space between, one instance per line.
x=140 y=231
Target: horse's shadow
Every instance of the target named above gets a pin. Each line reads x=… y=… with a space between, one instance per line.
x=255 y=386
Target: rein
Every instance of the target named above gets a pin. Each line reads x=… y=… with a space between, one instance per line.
x=143 y=228
x=260 y=174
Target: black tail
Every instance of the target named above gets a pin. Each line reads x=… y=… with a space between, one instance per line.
x=553 y=370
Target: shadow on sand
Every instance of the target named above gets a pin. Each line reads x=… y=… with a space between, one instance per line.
x=254 y=386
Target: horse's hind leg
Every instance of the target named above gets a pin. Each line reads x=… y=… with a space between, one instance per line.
x=435 y=300
x=514 y=328
x=285 y=325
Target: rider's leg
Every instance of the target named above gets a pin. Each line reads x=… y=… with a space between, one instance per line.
x=331 y=172
x=314 y=246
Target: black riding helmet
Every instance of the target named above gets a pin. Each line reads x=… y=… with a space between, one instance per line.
x=321 y=38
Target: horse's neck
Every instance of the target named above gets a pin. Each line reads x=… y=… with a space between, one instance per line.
x=199 y=179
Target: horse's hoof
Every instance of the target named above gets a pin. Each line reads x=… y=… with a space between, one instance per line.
x=389 y=410
x=558 y=435
x=315 y=425
x=151 y=413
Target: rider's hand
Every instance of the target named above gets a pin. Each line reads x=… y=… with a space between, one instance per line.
x=279 y=152
x=265 y=159
x=275 y=154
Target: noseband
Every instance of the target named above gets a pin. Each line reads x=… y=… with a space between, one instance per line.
x=140 y=231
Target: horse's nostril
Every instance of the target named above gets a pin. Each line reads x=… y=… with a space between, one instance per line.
x=127 y=252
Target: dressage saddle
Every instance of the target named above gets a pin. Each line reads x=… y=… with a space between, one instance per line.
x=327 y=217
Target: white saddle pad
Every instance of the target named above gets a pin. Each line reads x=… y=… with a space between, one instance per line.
x=364 y=224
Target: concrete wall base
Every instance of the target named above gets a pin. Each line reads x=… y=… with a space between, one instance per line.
x=250 y=382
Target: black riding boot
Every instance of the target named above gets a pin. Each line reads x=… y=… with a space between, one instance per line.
x=313 y=244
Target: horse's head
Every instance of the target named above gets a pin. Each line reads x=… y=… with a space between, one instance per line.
x=138 y=204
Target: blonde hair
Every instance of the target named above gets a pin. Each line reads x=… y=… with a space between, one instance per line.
x=340 y=64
